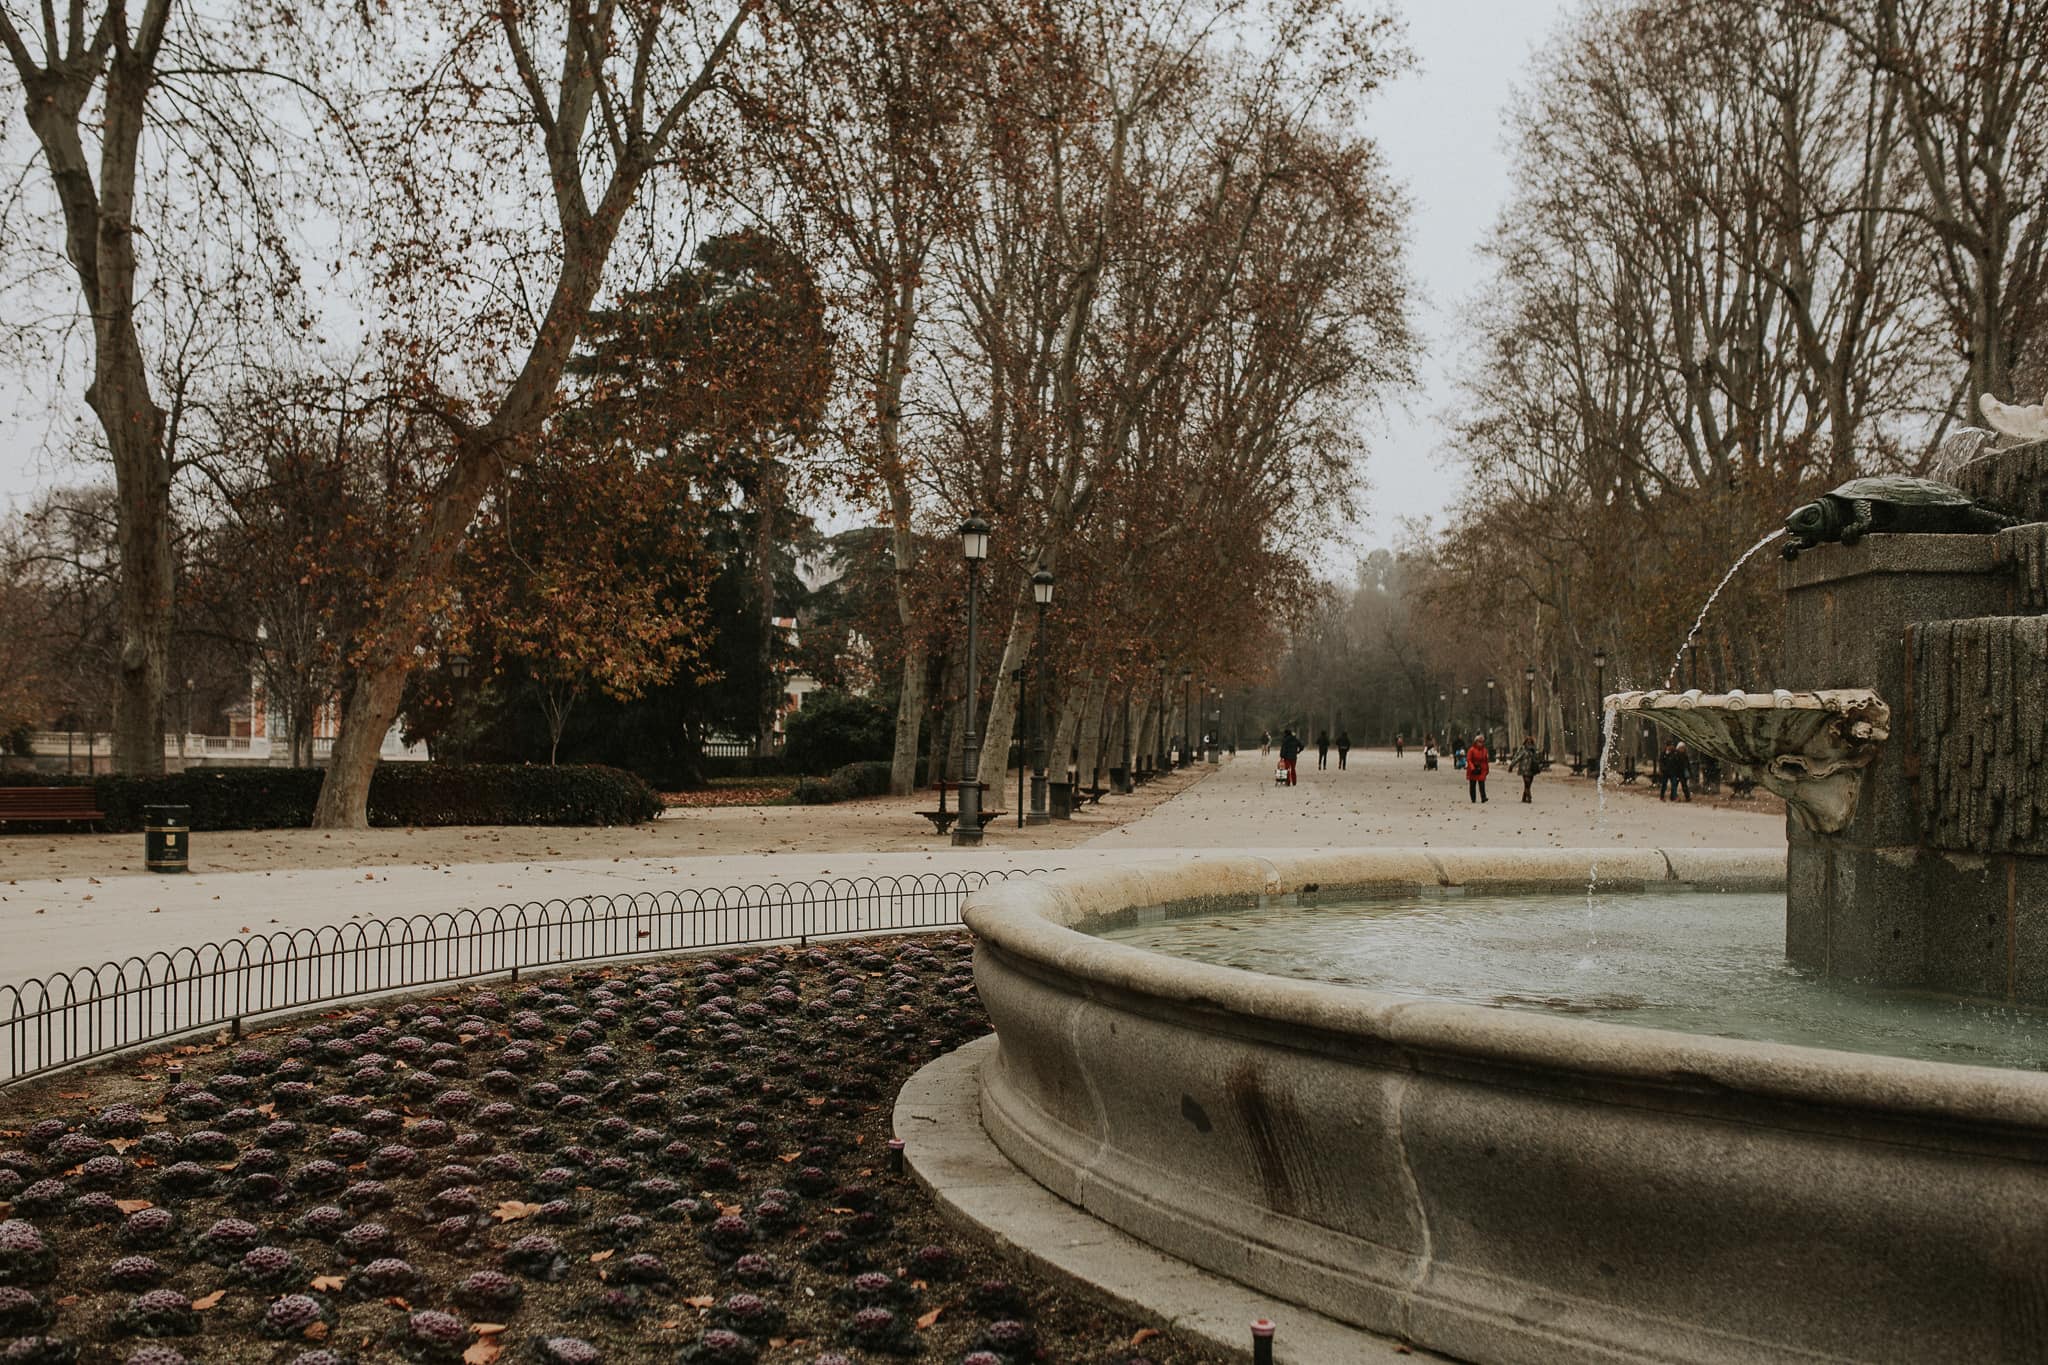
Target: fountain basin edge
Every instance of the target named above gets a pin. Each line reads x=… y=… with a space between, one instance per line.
x=1497 y=1185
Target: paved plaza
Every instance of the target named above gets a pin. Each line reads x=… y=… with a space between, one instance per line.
x=70 y=900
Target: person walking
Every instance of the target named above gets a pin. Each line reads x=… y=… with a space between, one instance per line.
x=1290 y=750
x=1265 y=742
x=1397 y=746
x=1429 y=754
x=1527 y=764
x=1477 y=765
x=1457 y=752
x=1343 y=748
x=1680 y=770
x=1322 y=748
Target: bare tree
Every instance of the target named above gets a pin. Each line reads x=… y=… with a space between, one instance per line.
x=610 y=94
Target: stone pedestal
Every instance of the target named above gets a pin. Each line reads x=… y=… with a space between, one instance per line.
x=1911 y=893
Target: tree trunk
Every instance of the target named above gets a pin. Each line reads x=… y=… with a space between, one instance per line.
x=767 y=495
x=1002 y=706
x=902 y=541
x=909 y=720
x=1077 y=711
x=142 y=477
x=99 y=241
x=379 y=686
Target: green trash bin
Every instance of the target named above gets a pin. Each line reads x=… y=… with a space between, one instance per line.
x=166 y=837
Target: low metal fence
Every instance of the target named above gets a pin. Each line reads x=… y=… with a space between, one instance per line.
x=70 y=1017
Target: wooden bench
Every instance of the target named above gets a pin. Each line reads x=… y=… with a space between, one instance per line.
x=943 y=819
x=48 y=805
x=1629 y=775
x=1094 y=794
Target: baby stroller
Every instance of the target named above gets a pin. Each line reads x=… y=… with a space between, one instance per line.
x=1429 y=759
x=1280 y=774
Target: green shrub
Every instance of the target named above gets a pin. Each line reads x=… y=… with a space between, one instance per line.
x=773 y=765
x=846 y=783
x=834 y=729
x=417 y=794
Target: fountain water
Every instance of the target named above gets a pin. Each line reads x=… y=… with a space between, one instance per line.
x=1671 y=678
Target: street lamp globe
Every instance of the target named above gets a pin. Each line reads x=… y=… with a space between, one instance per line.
x=974 y=540
x=1529 y=674
x=1041 y=587
x=458 y=664
x=1599 y=658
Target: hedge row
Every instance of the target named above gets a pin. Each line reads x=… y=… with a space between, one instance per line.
x=845 y=783
x=414 y=794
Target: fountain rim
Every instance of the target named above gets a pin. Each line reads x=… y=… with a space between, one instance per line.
x=1777 y=699
x=1036 y=921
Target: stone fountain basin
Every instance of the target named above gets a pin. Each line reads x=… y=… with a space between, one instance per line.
x=1504 y=1186
x=1809 y=747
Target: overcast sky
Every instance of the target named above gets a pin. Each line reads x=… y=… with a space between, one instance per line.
x=1441 y=128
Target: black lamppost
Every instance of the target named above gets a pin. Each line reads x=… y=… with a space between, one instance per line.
x=1041 y=593
x=1487 y=727
x=1600 y=710
x=458 y=665
x=1187 y=716
x=1443 y=701
x=1529 y=699
x=1165 y=715
x=973 y=549
x=1464 y=704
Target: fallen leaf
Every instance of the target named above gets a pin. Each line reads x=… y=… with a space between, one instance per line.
x=1143 y=1335
x=132 y=1205
x=487 y=1329
x=395 y=1302
x=512 y=1210
x=597 y=1256
x=122 y=1144
x=317 y=1331
x=788 y=1157
x=925 y=1320
x=67 y=1300
x=482 y=1351
x=206 y=1301
x=329 y=1284
x=701 y=1301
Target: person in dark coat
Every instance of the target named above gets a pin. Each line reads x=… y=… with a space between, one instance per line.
x=1322 y=748
x=1477 y=765
x=1290 y=749
x=1343 y=747
x=1527 y=764
x=1678 y=772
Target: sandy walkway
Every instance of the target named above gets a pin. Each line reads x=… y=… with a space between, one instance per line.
x=73 y=899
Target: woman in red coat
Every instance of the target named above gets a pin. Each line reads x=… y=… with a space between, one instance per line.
x=1476 y=767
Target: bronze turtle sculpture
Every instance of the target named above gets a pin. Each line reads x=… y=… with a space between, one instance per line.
x=1890 y=503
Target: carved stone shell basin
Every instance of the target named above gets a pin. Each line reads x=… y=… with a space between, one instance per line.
x=1809 y=747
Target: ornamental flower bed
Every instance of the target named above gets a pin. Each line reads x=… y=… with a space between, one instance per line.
x=684 y=1163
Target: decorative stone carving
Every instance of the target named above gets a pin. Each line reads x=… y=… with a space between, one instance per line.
x=2014 y=480
x=1809 y=747
x=1979 y=728
x=2028 y=422
x=2023 y=551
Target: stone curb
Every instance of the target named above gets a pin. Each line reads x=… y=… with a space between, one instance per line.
x=938 y=1116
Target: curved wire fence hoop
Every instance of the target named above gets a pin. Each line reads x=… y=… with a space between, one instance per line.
x=59 y=1020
